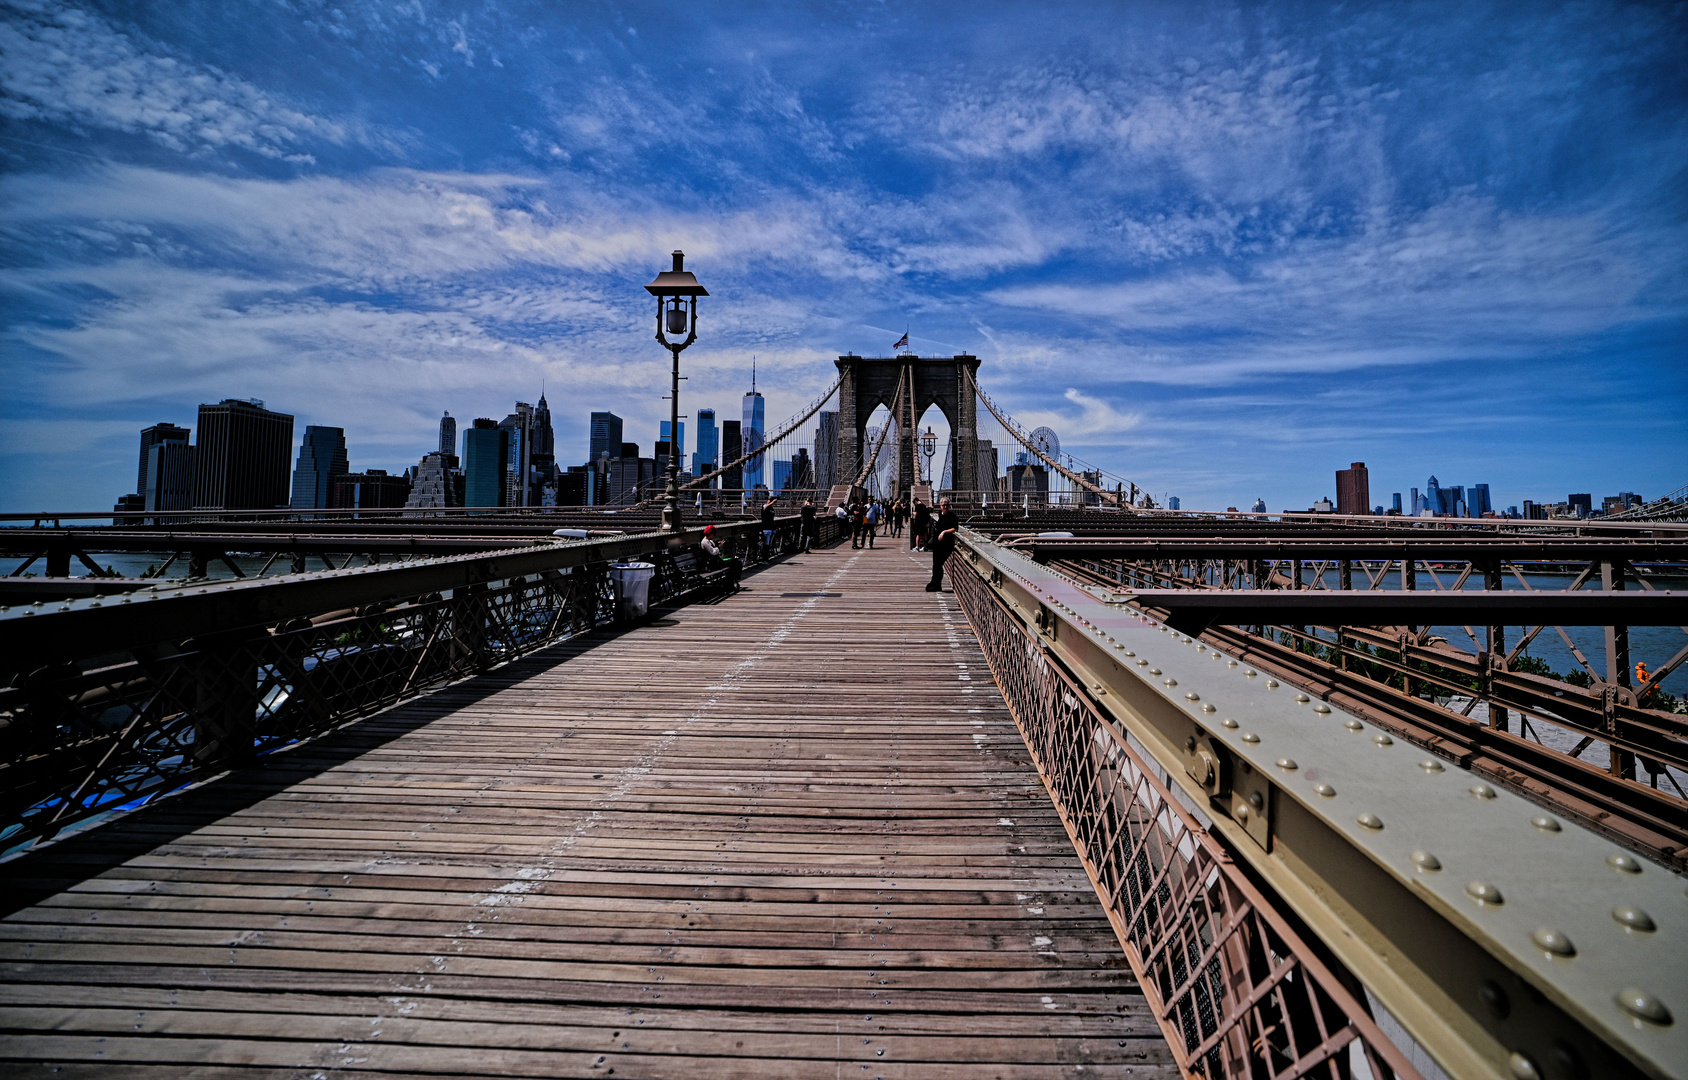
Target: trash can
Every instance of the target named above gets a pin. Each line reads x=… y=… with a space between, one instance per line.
x=632 y=588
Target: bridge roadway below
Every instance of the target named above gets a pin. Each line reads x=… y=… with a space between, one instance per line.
x=791 y=833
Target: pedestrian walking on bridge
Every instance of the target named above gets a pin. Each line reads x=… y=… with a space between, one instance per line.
x=942 y=543
x=922 y=522
x=870 y=522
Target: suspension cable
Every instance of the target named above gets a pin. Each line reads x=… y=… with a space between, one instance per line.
x=896 y=407
x=1025 y=440
x=700 y=482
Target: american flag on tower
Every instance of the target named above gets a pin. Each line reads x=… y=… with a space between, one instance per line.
x=902 y=342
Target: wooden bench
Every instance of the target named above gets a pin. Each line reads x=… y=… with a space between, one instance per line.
x=696 y=569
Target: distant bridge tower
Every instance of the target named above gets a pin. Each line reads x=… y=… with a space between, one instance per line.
x=871 y=381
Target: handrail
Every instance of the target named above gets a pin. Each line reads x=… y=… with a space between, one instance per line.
x=110 y=700
x=1482 y=926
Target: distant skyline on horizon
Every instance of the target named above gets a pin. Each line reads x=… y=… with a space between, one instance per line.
x=1222 y=250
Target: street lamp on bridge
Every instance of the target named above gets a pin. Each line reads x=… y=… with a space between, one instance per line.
x=676 y=293
x=929 y=446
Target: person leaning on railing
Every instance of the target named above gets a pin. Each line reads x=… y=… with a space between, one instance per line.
x=942 y=543
x=712 y=548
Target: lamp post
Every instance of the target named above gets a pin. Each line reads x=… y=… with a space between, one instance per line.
x=676 y=293
x=929 y=446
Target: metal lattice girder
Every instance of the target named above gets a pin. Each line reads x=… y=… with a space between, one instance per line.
x=1502 y=938
x=106 y=704
x=1193 y=610
x=175 y=611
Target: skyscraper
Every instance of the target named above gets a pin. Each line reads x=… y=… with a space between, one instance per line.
x=542 y=462
x=448 y=435
x=151 y=437
x=1395 y=501
x=826 y=451
x=1433 y=496
x=1353 y=490
x=751 y=433
x=1477 y=500
x=519 y=455
x=485 y=454
x=708 y=454
x=322 y=456
x=802 y=471
x=169 y=478
x=781 y=478
x=240 y=462
x=606 y=435
x=731 y=447
x=677 y=445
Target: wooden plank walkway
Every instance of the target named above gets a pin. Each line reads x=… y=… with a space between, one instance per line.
x=792 y=833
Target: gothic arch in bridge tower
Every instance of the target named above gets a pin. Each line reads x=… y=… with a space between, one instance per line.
x=869 y=381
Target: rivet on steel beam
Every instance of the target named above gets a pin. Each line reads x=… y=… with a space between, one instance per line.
x=1256 y=800
x=1483 y=791
x=1545 y=823
x=1523 y=1068
x=1552 y=941
x=1633 y=918
x=1426 y=861
x=1430 y=765
x=1117 y=645
x=1154 y=671
x=1383 y=740
x=1271 y=684
x=1142 y=663
x=1250 y=737
x=1228 y=663
x=1302 y=698
x=1128 y=652
x=1370 y=821
x=1209 y=708
x=1495 y=999
x=1643 y=1006
x=1286 y=763
x=1321 y=707
x=1242 y=814
x=1353 y=725
x=1250 y=673
x=1171 y=682
x=1200 y=647
x=1485 y=894
x=1624 y=863
x=1228 y=722
x=1191 y=696
x=1324 y=789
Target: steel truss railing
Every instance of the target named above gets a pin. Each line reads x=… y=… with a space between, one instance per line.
x=111 y=701
x=1236 y=988
x=1289 y=880
x=1391 y=672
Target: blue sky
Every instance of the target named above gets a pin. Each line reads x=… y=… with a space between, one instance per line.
x=1223 y=250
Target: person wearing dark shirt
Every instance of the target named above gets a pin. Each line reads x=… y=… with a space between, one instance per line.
x=809 y=529
x=942 y=543
x=712 y=548
x=922 y=522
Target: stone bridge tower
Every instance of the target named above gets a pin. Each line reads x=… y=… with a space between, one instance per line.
x=871 y=381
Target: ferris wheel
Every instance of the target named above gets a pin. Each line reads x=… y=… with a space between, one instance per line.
x=1047 y=442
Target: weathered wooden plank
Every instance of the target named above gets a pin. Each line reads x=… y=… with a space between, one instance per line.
x=749 y=838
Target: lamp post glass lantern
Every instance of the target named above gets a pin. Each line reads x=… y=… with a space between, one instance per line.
x=676 y=293
x=929 y=446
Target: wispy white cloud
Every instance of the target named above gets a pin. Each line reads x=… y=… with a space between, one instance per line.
x=65 y=65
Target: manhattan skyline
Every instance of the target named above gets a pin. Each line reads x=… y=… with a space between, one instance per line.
x=1223 y=251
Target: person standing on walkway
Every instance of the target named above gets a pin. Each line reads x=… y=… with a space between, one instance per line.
x=871 y=521
x=810 y=529
x=922 y=522
x=768 y=530
x=942 y=543
x=899 y=516
x=856 y=524
x=842 y=514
